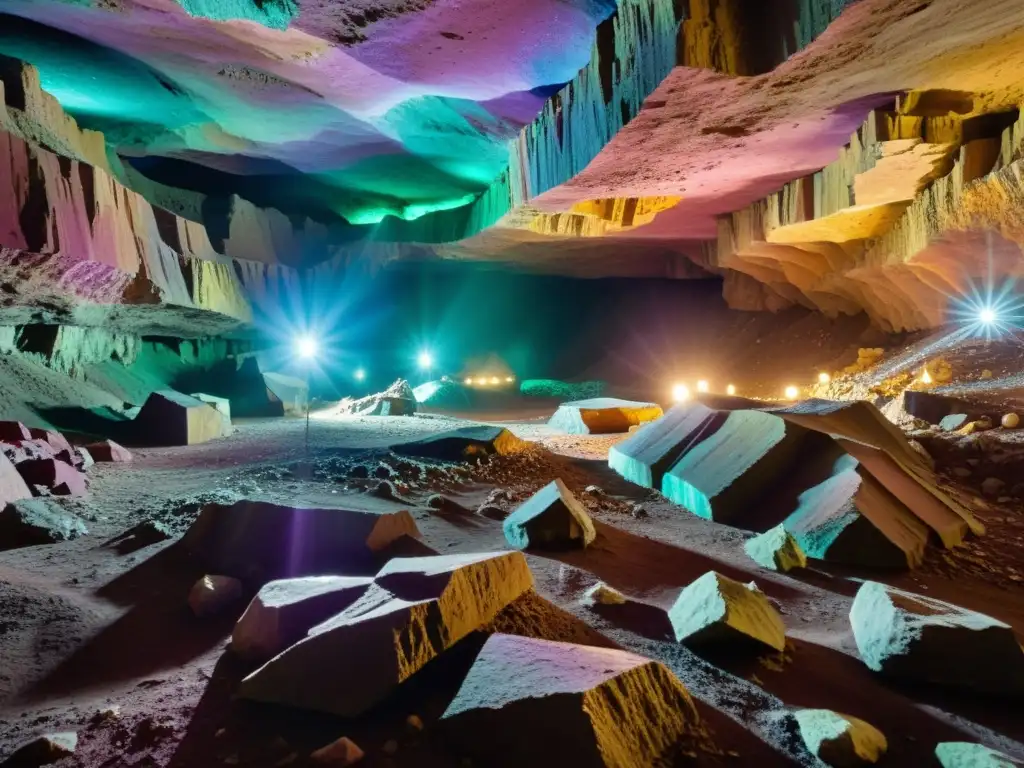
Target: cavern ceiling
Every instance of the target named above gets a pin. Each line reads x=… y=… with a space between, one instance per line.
x=843 y=156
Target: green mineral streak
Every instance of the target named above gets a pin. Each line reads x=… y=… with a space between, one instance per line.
x=275 y=14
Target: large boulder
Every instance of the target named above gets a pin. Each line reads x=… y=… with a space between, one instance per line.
x=29 y=522
x=396 y=400
x=418 y=608
x=839 y=740
x=716 y=609
x=262 y=541
x=923 y=639
x=964 y=754
x=602 y=415
x=108 y=450
x=222 y=404
x=722 y=475
x=776 y=549
x=12 y=485
x=284 y=611
x=464 y=443
x=290 y=392
x=550 y=519
x=536 y=702
x=59 y=477
x=171 y=418
x=43 y=750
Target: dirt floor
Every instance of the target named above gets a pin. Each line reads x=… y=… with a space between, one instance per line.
x=97 y=637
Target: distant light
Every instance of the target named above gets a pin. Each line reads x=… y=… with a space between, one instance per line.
x=360 y=374
x=792 y=393
x=824 y=378
x=307 y=347
x=702 y=386
x=926 y=378
x=987 y=316
x=730 y=390
x=468 y=382
x=680 y=393
x=425 y=360
x=495 y=380
x=510 y=379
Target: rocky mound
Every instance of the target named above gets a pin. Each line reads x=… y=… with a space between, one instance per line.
x=396 y=400
x=464 y=443
x=602 y=415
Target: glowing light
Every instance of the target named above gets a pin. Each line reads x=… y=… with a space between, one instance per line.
x=989 y=310
x=730 y=390
x=468 y=382
x=824 y=378
x=987 y=316
x=926 y=378
x=680 y=393
x=360 y=374
x=792 y=393
x=495 y=380
x=510 y=379
x=425 y=360
x=702 y=386
x=307 y=347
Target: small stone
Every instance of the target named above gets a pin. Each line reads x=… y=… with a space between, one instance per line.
x=359 y=472
x=594 y=490
x=385 y=489
x=212 y=594
x=338 y=753
x=638 y=511
x=414 y=722
x=716 y=608
x=776 y=549
x=1010 y=421
x=961 y=472
x=953 y=421
x=390 y=747
x=602 y=594
x=43 y=750
x=992 y=486
x=550 y=519
x=840 y=740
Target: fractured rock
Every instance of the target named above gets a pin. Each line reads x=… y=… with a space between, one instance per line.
x=108 y=450
x=30 y=522
x=212 y=594
x=550 y=519
x=417 y=608
x=43 y=750
x=59 y=477
x=263 y=540
x=55 y=440
x=776 y=549
x=715 y=608
x=580 y=706
x=13 y=431
x=602 y=415
x=602 y=594
x=923 y=639
x=840 y=740
x=338 y=754
x=464 y=443
x=83 y=459
x=283 y=611
x=12 y=485
x=171 y=418
x=964 y=754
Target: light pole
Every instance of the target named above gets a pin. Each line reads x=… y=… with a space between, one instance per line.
x=307 y=348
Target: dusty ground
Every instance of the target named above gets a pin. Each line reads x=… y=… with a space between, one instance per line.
x=98 y=638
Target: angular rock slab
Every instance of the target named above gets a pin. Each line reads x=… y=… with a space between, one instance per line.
x=602 y=415
x=12 y=485
x=30 y=522
x=715 y=608
x=919 y=638
x=964 y=754
x=284 y=611
x=839 y=740
x=536 y=702
x=43 y=750
x=650 y=452
x=262 y=541
x=60 y=477
x=721 y=474
x=108 y=450
x=13 y=431
x=550 y=519
x=171 y=418
x=464 y=443
x=776 y=549
x=55 y=440
x=222 y=404
x=418 y=608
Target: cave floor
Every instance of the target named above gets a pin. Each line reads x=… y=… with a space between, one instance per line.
x=87 y=627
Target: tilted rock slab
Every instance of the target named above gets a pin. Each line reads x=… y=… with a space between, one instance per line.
x=920 y=638
x=262 y=541
x=840 y=740
x=60 y=477
x=171 y=418
x=964 y=754
x=108 y=450
x=12 y=485
x=602 y=415
x=418 y=608
x=536 y=702
x=715 y=608
x=776 y=549
x=464 y=443
x=550 y=519
x=43 y=750
x=284 y=611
